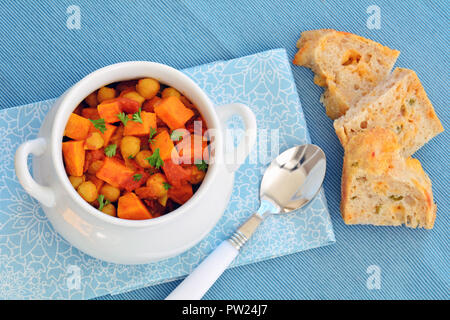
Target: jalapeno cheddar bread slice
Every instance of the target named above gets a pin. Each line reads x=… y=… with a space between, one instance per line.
x=381 y=187
x=399 y=104
x=347 y=65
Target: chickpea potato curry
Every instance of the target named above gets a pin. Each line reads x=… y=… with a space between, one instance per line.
x=131 y=151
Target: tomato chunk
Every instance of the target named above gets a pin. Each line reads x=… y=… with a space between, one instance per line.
x=176 y=174
x=181 y=193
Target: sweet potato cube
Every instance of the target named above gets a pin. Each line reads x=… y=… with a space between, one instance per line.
x=131 y=207
x=181 y=194
x=77 y=127
x=134 y=128
x=74 y=155
x=173 y=112
x=114 y=172
x=165 y=145
x=109 y=109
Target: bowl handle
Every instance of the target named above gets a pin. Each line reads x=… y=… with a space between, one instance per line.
x=239 y=153
x=44 y=195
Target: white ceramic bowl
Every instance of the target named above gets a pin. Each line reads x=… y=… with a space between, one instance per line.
x=119 y=240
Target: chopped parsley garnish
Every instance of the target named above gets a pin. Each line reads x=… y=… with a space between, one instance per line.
x=152 y=133
x=155 y=160
x=137 y=177
x=166 y=186
x=411 y=101
x=102 y=202
x=123 y=117
x=176 y=135
x=137 y=116
x=202 y=166
x=99 y=124
x=110 y=150
x=130 y=156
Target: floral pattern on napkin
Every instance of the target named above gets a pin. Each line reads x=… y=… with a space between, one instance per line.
x=37 y=263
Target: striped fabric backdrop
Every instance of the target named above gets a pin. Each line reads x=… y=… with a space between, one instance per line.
x=40 y=57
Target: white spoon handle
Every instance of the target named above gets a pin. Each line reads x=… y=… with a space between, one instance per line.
x=204 y=276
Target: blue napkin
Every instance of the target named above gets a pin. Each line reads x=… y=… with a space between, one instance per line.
x=35 y=262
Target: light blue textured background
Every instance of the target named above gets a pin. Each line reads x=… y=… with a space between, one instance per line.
x=40 y=58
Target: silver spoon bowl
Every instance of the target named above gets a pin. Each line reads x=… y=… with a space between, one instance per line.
x=289 y=183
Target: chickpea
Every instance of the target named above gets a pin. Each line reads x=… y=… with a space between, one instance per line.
x=76 y=181
x=110 y=193
x=130 y=146
x=91 y=100
x=133 y=95
x=157 y=183
x=148 y=88
x=197 y=175
x=94 y=141
x=95 y=166
x=105 y=93
x=169 y=92
x=88 y=191
x=109 y=209
x=141 y=156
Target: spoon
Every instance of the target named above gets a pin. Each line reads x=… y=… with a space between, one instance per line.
x=289 y=183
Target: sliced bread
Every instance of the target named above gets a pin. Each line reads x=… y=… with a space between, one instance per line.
x=399 y=104
x=347 y=65
x=381 y=187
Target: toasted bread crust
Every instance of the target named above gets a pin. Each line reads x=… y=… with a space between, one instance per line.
x=341 y=61
x=381 y=119
x=399 y=104
x=381 y=187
